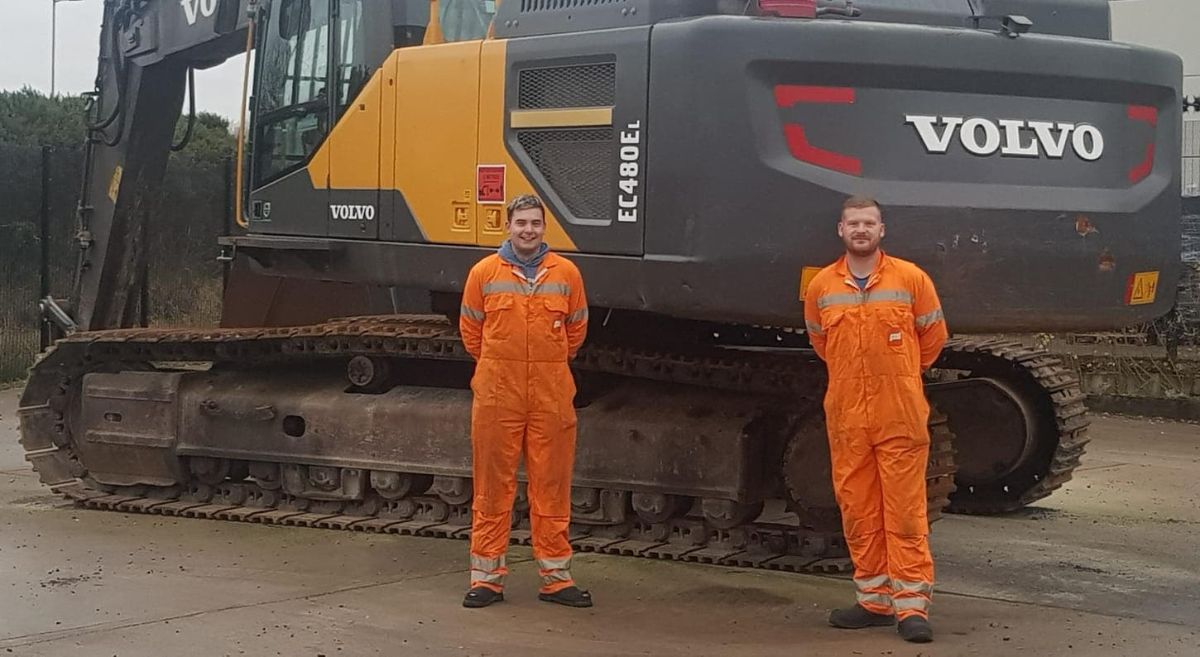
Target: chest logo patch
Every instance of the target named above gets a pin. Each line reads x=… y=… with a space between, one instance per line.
x=894 y=338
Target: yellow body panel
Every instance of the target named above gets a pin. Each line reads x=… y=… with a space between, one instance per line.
x=493 y=66
x=416 y=128
x=349 y=157
x=437 y=116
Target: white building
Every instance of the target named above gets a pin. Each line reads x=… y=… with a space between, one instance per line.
x=1170 y=25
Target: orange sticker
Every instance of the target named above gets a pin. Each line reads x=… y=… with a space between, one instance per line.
x=806 y=276
x=1143 y=288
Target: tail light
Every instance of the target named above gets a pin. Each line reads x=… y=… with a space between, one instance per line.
x=788 y=8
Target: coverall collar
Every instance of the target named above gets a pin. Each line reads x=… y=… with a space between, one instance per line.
x=528 y=268
x=843 y=270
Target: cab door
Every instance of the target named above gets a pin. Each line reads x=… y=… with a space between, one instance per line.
x=360 y=43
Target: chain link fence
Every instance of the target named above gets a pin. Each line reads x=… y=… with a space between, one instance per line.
x=39 y=189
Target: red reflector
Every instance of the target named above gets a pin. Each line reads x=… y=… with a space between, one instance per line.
x=1144 y=113
x=788 y=8
x=787 y=95
x=806 y=152
x=1139 y=173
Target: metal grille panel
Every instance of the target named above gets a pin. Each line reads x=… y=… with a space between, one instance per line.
x=1191 y=155
x=579 y=164
x=589 y=85
x=528 y=6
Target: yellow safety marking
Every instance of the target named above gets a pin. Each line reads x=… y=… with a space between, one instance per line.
x=806 y=276
x=114 y=185
x=562 y=118
x=1143 y=288
x=492 y=149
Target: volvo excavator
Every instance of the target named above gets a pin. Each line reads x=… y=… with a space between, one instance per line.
x=693 y=156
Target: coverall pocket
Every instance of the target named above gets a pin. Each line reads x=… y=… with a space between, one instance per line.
x=497 y=325
x=898 y=341
x=553 y=329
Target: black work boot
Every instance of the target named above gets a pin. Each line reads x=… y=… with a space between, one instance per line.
x=572 y=596
x=915 y=629
x=481 y=596
x=856 y=618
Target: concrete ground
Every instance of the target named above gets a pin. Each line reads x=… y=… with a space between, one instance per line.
x=1108 y=566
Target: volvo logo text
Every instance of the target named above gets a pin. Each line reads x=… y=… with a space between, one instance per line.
x=193 y=9
x=1009 y=137
x=352 y=212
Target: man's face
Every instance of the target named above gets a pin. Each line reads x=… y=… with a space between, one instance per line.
x=526 y=230
x=861 y=229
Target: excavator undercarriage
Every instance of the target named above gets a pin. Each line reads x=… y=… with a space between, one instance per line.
x=707 y=455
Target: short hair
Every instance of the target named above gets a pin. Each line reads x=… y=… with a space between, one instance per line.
x=525 y=202
x=855 y=202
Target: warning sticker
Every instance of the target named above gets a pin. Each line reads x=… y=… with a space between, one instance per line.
x=1143 y=288
x=489 y=183
x=806 y=276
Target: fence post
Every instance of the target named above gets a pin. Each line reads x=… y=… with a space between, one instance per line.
x=44 y=250
x=228 y=217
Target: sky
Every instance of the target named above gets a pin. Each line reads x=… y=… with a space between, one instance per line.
x=25 y=54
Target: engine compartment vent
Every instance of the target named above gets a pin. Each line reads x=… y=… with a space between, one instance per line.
x=586 y=85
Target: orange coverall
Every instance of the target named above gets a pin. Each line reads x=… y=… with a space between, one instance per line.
x=522 y=333
x=876 y=343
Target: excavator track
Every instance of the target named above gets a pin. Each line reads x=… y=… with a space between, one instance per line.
x=1058 y=423
x=772 y=541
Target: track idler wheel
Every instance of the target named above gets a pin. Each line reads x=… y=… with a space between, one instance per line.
x=207 y=470
x=452 y=490
x=808 y=474
x=397 y=485
x=727 y=514
x=808 y=471
x=369 y=374
x=654 y=508
x=1018 y=419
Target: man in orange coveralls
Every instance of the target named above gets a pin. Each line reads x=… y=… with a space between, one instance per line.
x=877 y=322
x=524 y=315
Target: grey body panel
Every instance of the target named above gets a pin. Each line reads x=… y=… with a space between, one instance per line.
x=627 y=51
x=732 y=215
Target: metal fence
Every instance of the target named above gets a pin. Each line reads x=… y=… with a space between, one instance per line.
x=1191 y=154
x=39 y=188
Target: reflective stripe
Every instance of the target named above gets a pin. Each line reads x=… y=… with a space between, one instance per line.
x=813 y=327
x=577 y=316
x=837 y=300
x=929 y=318
x=881 y=599
x=553 y=288
x=920 y=588
x=871 y=582
x=551 y=576
x=471 y=313
x=525 y=289
x=554 y=564
x=485 y=576
x=487 y=563
x=874 y=296
x=906 y=604
x=505 y=286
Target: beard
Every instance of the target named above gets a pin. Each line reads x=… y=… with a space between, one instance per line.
x=862 y=250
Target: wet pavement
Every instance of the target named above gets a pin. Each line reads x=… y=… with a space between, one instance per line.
x=1107 y=566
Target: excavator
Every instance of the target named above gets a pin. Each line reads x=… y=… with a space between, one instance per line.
x=693 y=156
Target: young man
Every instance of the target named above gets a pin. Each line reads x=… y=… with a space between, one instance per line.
x=524 y=315
x=877 y=323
